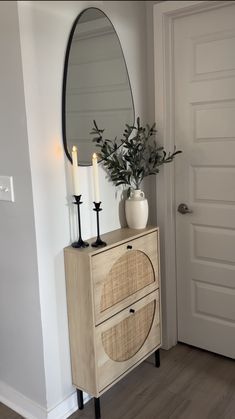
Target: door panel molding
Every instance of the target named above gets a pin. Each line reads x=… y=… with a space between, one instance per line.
x=164 y=15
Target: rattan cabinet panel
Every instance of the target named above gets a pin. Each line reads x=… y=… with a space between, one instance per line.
x=123 y=340
x=129 y=274
x=126 y=338
x=113 y=300
x=124 y=274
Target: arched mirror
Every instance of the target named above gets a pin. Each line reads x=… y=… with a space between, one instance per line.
x=96 y=85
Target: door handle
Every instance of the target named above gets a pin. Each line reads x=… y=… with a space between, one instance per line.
x=183 y=209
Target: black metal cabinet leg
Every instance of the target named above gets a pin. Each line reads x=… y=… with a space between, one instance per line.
x=80 y=399
x=157 y=358
x=97 y=407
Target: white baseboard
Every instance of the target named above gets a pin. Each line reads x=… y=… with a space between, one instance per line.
x=21 y=404
x=31 y=410
x=68 y=406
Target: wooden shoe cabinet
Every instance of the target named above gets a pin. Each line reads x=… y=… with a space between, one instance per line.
x=114 y=311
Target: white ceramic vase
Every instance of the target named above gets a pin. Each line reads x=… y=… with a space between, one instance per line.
x=136 y=209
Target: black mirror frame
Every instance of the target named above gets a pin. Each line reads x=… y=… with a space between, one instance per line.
x=64 y=84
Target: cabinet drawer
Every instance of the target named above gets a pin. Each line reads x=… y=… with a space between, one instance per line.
x=126 y=338
x=124 y=274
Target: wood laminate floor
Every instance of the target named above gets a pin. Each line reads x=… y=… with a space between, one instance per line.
x=190 y=384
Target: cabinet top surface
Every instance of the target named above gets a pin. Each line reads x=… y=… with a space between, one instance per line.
x=113 y=238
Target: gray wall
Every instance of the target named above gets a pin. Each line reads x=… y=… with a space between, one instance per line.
x=43 y=212
x=21 y=348
x=44 y=31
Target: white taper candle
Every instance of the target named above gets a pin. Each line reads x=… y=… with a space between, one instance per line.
x=75 y=171
x=95 y=178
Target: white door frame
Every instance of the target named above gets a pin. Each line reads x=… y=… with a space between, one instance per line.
x=164 y=15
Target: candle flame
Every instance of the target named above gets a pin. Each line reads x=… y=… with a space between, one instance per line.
x=74 y=148
x=94 y=156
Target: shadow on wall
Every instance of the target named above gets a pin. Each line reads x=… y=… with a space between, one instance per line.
x=121 y=209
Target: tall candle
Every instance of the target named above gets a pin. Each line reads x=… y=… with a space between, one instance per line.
x=95 y=178
x=75 y=171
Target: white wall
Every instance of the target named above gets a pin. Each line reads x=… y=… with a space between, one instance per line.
x=152 y=116
x=151 y=183
x=21 y=346
x=44 y=30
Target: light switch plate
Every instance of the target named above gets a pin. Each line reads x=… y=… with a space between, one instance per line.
x=6 y=188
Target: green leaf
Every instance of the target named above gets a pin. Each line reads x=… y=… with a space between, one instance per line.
x=138 y=156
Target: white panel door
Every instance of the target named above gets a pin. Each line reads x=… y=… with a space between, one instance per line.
x=204 y=65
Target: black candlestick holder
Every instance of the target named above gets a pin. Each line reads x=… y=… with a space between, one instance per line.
x=98 y=241
x=80 y=242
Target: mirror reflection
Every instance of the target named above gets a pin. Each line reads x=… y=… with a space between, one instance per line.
x=96 y=85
